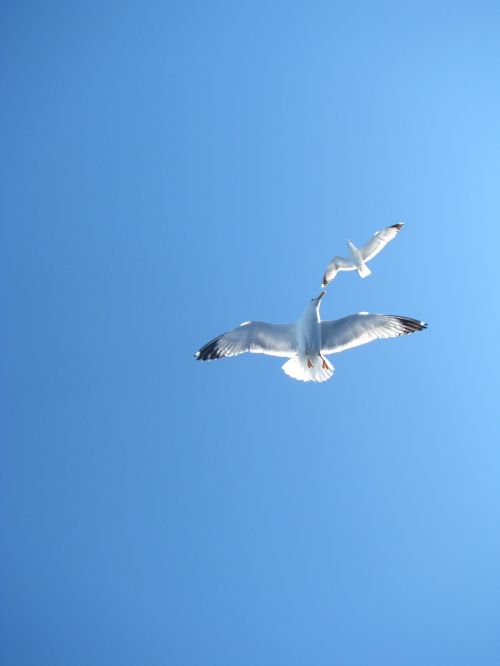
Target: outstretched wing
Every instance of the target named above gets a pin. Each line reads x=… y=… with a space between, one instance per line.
x=379 y=240
x=336 y=264
x=256 y=337
x=358 y=329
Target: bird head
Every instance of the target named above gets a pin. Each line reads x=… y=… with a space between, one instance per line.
x=318 y=298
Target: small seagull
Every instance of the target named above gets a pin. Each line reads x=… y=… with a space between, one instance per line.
x=308 y=341
x=360 y=256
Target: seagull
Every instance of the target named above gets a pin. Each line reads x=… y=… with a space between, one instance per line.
x=308 y=341
x=360 y=256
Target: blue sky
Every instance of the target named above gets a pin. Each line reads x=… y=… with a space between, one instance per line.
x=171 y=170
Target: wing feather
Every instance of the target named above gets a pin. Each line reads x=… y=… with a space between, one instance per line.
x=336 y=264
x=359 y=329
x=256 y=337
x=379 y=240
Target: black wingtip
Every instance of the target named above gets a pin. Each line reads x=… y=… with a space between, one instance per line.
x=210 y=351
x=411 y=325
x=397 y=226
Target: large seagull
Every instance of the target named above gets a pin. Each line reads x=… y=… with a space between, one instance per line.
x=359 y=256
x=308 y=341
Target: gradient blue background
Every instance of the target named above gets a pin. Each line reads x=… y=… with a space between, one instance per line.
x=170 y=170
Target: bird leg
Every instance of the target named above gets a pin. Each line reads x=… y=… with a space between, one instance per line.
x=325 y=366
x=309 y=363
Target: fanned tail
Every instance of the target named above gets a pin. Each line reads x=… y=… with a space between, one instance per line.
x=305 y=369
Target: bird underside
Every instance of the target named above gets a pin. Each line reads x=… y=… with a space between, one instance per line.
x=362 y=255
x=309 y=368
x=281 y=340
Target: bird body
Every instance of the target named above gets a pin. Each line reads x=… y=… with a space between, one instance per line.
x=308 y=341
x=356 y=257
x=359 y=257
x=357 y=260
x=309 y=364
x=308 y=330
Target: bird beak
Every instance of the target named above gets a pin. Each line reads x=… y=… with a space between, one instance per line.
x=321 y=295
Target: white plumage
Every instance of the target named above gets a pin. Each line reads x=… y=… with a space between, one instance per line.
x=307 y=341
x=359 y=257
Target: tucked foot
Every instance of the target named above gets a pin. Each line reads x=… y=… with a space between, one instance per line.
x=325 y=366
x=309 y=363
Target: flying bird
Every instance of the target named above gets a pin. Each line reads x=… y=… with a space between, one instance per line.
x=308 y=341
x=360 y=256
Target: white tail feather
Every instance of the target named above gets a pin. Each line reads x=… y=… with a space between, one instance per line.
x=298 y=368
x=364 y=271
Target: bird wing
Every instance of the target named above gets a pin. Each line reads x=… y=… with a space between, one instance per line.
x=335 y=265
x=256 y=337
x=379 y=240
x=358 y=329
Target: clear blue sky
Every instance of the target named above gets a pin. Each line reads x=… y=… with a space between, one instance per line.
x=170 y=170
